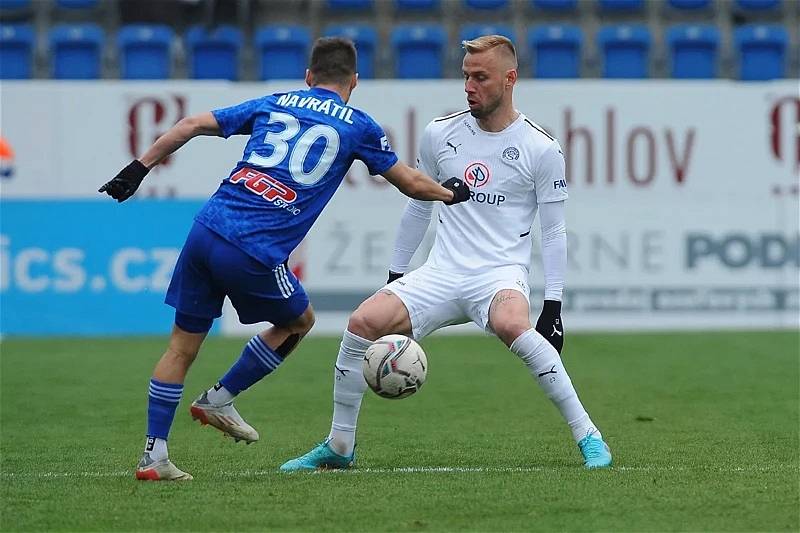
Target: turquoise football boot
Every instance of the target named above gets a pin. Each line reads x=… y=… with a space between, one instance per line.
x=595 y=452
x=321 y=457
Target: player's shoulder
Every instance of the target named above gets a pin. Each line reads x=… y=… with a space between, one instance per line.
x=536 y=138
x=445 y=123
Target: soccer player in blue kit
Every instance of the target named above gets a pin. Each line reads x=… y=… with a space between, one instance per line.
x=301 y=145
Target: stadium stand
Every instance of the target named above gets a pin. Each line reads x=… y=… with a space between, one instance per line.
x=77 y=4
x=366 y=40
x=282 y=51
x=416 y=38
x=625 y=49
x=556 y=50
x=555 y=5
x=76 y=51
x=621 y=5
x=16 y=51
x=416 y=5
x=689 y=4
x=214 y=54
x=418 y=51
x=350 y=4
x=486 y=4
x=693 y=51
x=145 y=51
x=761 y=51
x=757 y=5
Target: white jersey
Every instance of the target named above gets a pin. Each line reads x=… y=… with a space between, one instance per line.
x=509 y=173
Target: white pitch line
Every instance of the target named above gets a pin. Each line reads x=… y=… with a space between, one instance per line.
x=411 y=470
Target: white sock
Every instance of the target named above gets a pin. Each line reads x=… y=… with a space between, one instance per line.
x=157 y=448
x=219 y=395
x=545 y=365
x=348 y=390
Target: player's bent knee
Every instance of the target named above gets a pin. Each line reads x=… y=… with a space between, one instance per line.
x=367 y=325
x=509 y=331
x=304 y=322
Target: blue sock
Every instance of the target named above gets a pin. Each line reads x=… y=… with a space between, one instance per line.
x=162 y=400
x=257 y=360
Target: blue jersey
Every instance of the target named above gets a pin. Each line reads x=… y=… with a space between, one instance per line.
x=301 y=146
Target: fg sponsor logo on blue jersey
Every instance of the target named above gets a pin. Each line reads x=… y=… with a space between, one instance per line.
x=268 y=188
x=385 y=146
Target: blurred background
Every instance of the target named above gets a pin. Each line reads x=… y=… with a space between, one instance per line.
x=269 y=39
x=679 y=121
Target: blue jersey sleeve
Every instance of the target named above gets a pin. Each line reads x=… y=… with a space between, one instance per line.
x=237 y=119
x=374 y=149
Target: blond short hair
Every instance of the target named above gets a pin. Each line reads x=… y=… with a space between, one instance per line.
x=488 y=42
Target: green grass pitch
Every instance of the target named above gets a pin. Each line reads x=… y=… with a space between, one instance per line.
x=703 y=426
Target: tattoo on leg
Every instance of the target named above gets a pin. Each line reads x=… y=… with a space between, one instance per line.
x=502 y=298
x=385 y=291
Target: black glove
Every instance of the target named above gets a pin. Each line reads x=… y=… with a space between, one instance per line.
x=549 y=324
x=126 y=182
x=459 y=188
x=393 y=276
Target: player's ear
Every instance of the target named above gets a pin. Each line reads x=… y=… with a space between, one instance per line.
x=309 y=78
x=511 y=78
x=354 y=82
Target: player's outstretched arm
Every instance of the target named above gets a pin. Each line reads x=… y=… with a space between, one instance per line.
x=554 y=263
x=413 y=224
x=125 y=183
x=420 y=186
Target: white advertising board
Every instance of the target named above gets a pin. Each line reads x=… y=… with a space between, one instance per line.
x=683 y=209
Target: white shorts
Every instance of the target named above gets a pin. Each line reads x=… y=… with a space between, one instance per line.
x=437 y=298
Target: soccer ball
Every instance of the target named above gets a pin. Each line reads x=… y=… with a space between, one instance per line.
x=395 y=366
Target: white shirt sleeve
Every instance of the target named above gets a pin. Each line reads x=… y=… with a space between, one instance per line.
x=417 y=215
x=549 y=176
x=554 y=248
x=413 y=225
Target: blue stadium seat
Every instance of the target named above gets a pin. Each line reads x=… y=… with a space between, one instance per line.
x=14 y=4
x=473 y=31
x=693 y=51
x=366 y=40
x=762 y=51
x=621 y=5
x=689 y=4
x=283 y=51
x=76 y=51
x=555 y=5
x=145 y=51
x=556 y=50
x=416 y=5
x=486 y=4
x=16 y=51
x=418 y=50
x=625 y=49
x=77 y=4
x=350 y=4
x=214 y=55
x=757 y=5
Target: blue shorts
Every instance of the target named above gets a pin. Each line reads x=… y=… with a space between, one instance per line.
x=210 y=268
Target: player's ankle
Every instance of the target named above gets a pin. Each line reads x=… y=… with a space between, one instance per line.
x=342 y=446
x=219 y=395
x=156 y=448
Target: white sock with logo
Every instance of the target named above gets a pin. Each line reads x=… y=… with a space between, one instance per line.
x=545 y=365
x=157 y=448
x=348 y=390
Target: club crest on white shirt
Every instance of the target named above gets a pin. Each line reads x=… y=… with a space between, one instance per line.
x=477 y=175
x=511 y=153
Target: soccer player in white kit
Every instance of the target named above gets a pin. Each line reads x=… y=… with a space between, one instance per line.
x=478 y=268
